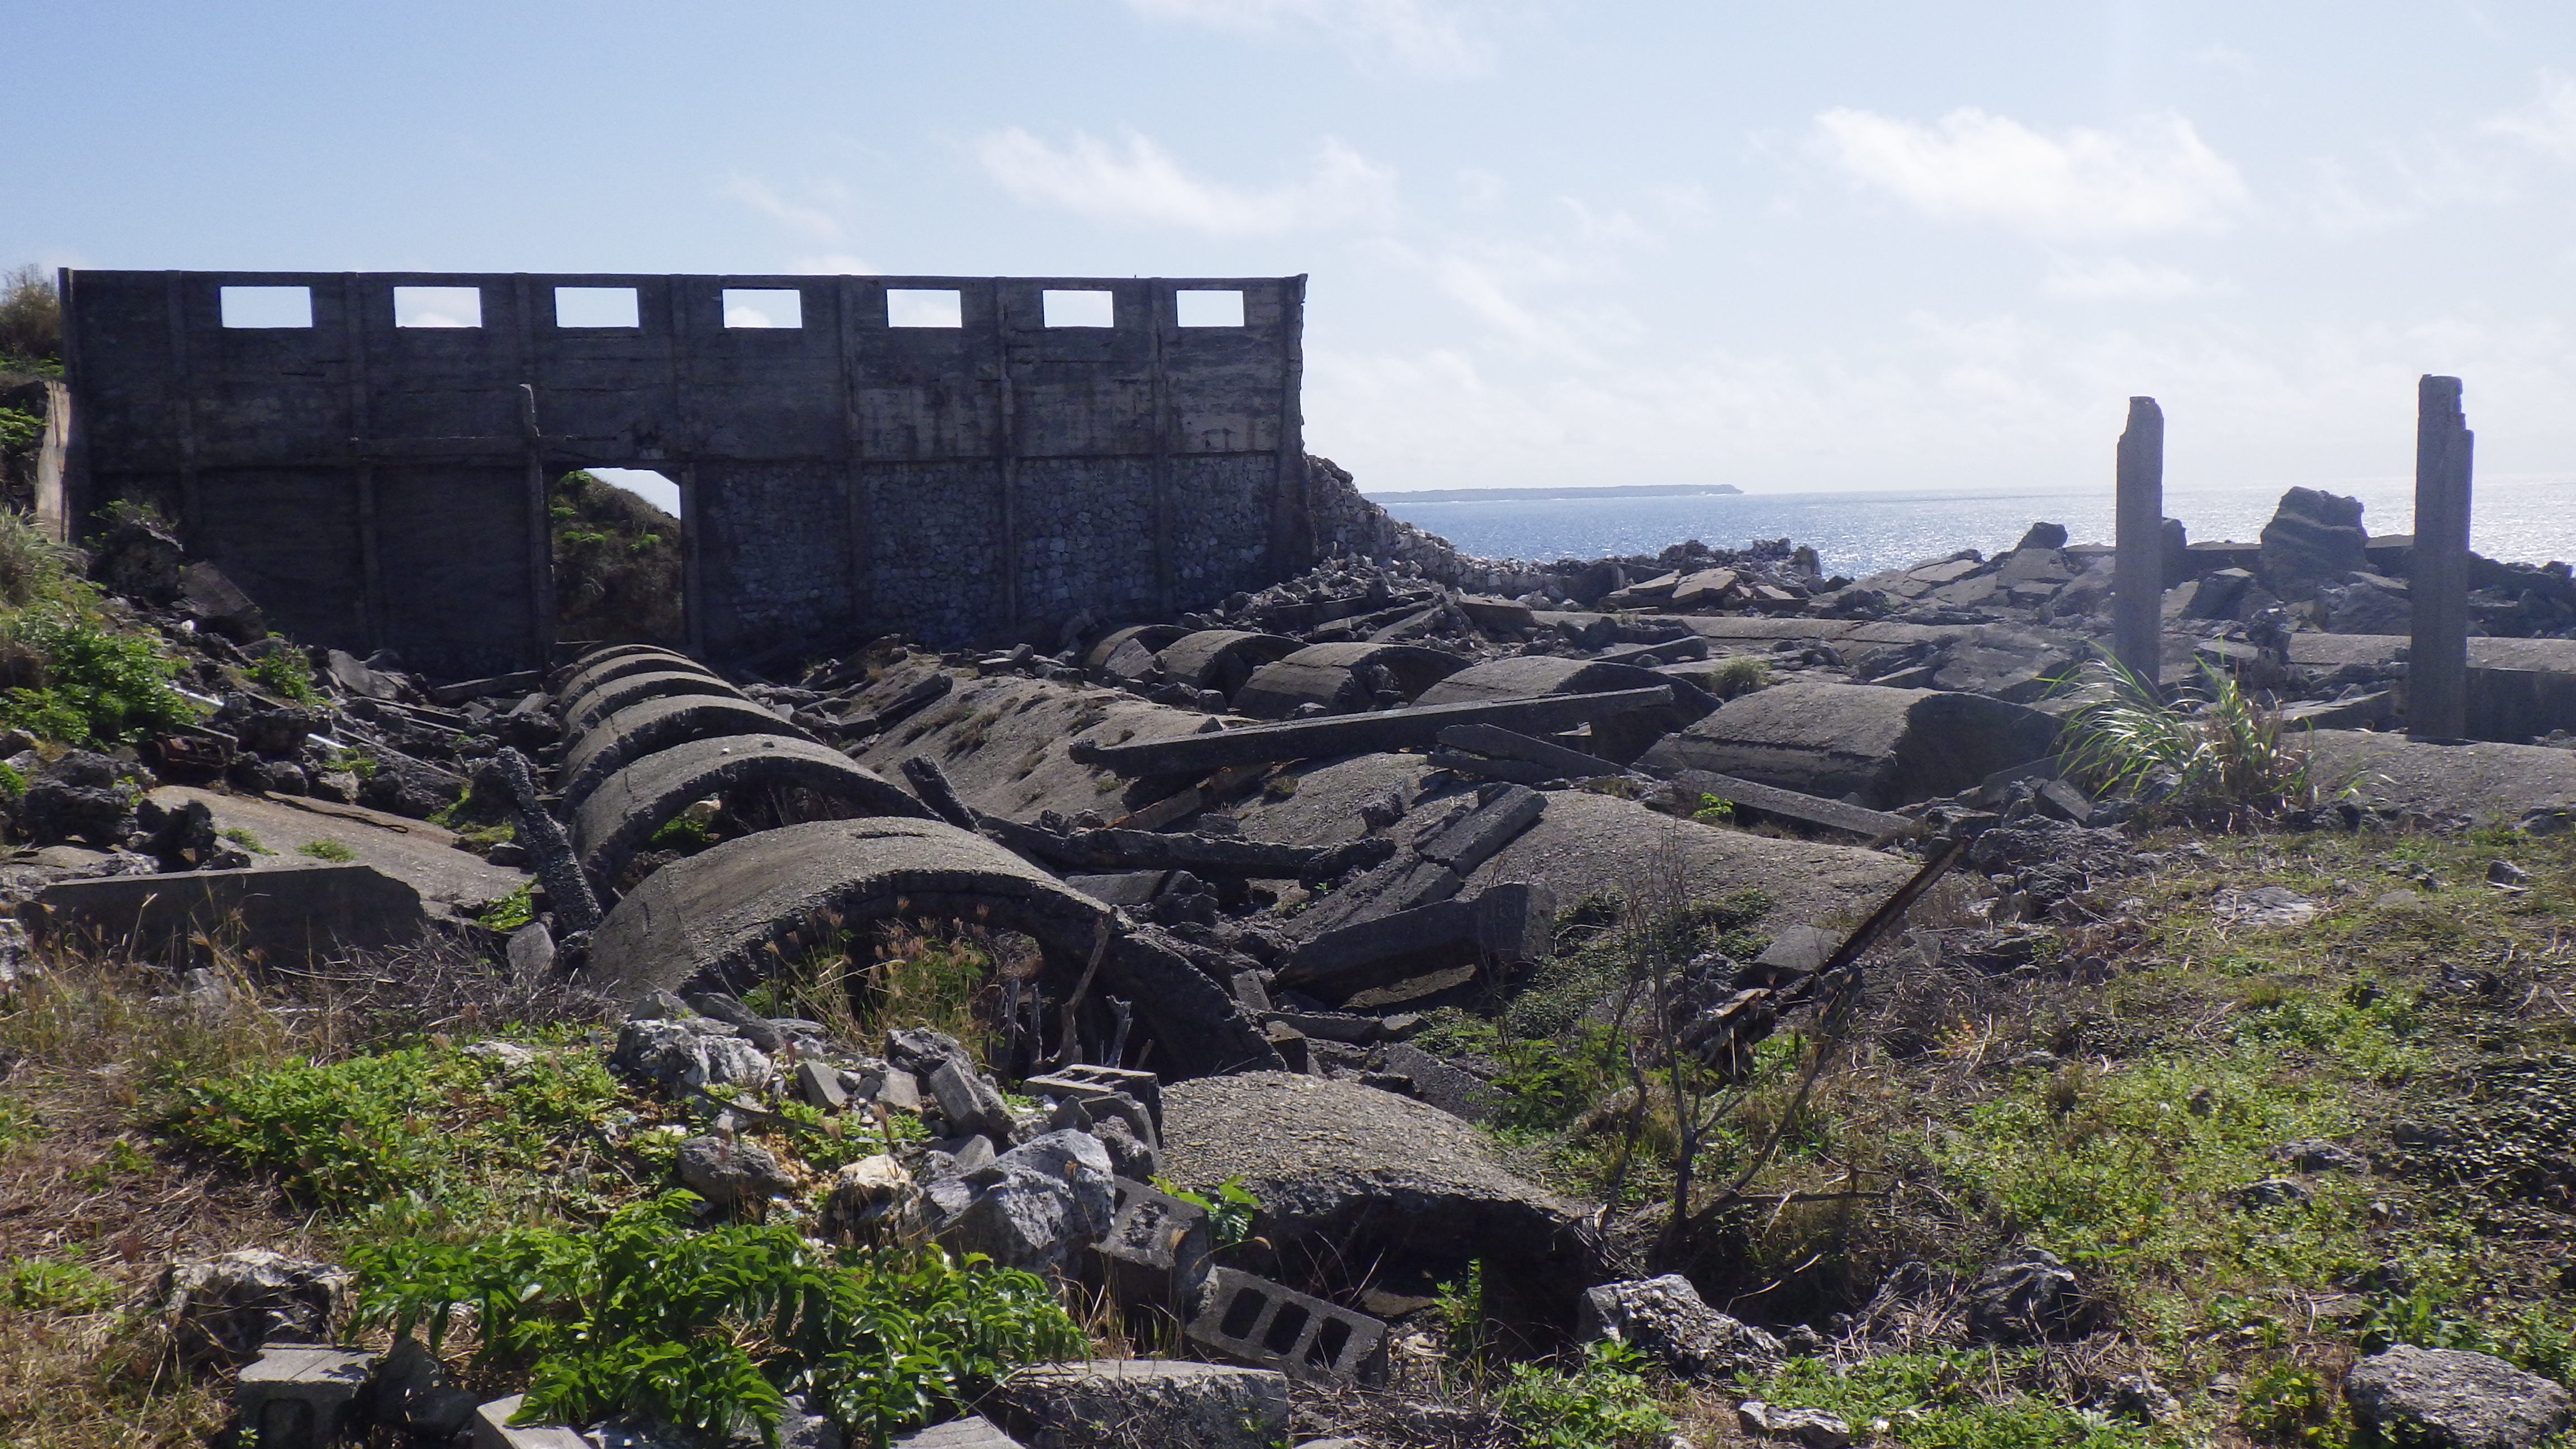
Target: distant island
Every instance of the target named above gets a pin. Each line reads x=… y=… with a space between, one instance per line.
x=1493 y=495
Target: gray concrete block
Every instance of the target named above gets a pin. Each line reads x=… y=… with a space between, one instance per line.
x=302 y=1398
x=976 y=1432
x=492 y=1430
x=1276 y=1327
x=1104 y=1402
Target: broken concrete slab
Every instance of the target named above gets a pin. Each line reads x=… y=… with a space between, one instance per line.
x=1510 y=923
x=1384 y=730
x=302 y=1398
x=653 y=725
x=1557 y=760
x=300 y=913
x=727 y=915
x=1111 y=1402
x=2496 y=784
x=1877 y=746
x=422 y=855
x=1528 y=676
x=1337 y=677
x=798 y=778
x=1472 y=836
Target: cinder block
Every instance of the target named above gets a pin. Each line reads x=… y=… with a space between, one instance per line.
x=1081 y=1080
x=301 y=1398
x=1156 y=1253
x=976 y=1432
x=1267 y=1324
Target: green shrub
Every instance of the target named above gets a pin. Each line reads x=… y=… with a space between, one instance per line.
x=31 y=316
x=710 y=1330
x=430 y=1120
x=1230 y=1208
x=54 y=1285
x=2220 y=753
x=684 y=834
x=1740 y=674
x=99 y=688
x=19 y=430
x=2289 y=1403
x=1714 y=811
x=330 y=850
x=512 y=911
x=283 y=672
x=1602 y=1404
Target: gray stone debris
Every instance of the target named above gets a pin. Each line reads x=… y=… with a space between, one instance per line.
x=492 y=1430
x=1033 y=1207
x=301 y=1398
x=2315 y=1154
x=1665 y=1319
x=1142 y=1403
x=693 y=1052
x=2028 y=1297
x=976 y=1432
x=223 y=1310
x=2448 y=1399
x=412 y=1393
x=729 y=1174
x=1812 y=1427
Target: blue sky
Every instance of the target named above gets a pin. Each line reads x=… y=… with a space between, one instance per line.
x=1811 y=246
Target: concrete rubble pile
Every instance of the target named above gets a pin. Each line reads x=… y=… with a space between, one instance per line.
x=1249 y=852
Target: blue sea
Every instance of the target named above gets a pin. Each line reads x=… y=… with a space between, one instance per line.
x=2520 y=520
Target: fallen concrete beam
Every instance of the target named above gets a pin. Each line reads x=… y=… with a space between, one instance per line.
x=1111 y=849
x=1494 y=740
x=1810 y=809
x=1385 y=730
x=520 y=683
x=300 y=913
x=1510 y=923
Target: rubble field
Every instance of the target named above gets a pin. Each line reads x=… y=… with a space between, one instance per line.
x=1429 y=1001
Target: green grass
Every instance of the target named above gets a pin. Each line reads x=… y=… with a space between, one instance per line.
x=1959 y=1399
x=242 y=836
x=427 y=1122
x=284 y=673
x=330 y=850
x=54 y=1285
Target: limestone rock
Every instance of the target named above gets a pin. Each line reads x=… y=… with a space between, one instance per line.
x=2029 y=1297
x=2314 y=539
x=728 y=1173
x=1033 y=1207
x=2454 y=1400
x=1664 y=1318
x=221 y=1309
x=1141 y=1403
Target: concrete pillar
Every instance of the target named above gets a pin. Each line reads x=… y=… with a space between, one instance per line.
x=2138 y=572
x=2437 y=669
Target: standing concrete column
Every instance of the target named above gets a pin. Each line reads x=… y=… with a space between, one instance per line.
x=2138 y=572
x=2437 y=669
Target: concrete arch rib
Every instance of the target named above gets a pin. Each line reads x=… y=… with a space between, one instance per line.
x=728 y=915
x=620 y=816
x=603 y=700
x=586 y=683
x=568 y=679
x=657 y=724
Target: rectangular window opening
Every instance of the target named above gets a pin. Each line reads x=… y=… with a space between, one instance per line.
x=267 y=306
x=438 y=306
x=596 y=307
x=924 y=307
x=1208 y=308
x=1084 y=308
x=764 y=307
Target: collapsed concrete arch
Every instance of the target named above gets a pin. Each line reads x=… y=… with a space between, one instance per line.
x=593 y=665
x=1328 y=674
x=605 y=699
x=617 y=819
x=728 y=916
x=657 y=724
x=1222 y=659
x=591 y=671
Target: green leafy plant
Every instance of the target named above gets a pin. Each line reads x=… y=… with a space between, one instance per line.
x=2288 y=1403
x=684 y=834
x=1740 y=674
x=241 y=836
x=709 y=1330
x=1230 y=1209
x=512 y=911
x=283 y=672
x=1603 y=1403
x=1952 y=1399
x=1714 y=811
x=98 y=687
x=1460 y=1303
x=54 y=1285
x=330 y=850
x=19 y=430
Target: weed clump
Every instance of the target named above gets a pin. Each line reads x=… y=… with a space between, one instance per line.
x=2215 y=753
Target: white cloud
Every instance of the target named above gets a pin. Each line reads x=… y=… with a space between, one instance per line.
x=1429 y=37
x=2119 y=279
x=819 y=218
x=2548 y=124
x=1140 y=182
x=2159 y=176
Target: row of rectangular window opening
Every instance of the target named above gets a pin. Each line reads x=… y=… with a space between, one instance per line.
x=611 y=307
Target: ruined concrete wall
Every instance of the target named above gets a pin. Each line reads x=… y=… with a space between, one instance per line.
x=375 y=486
